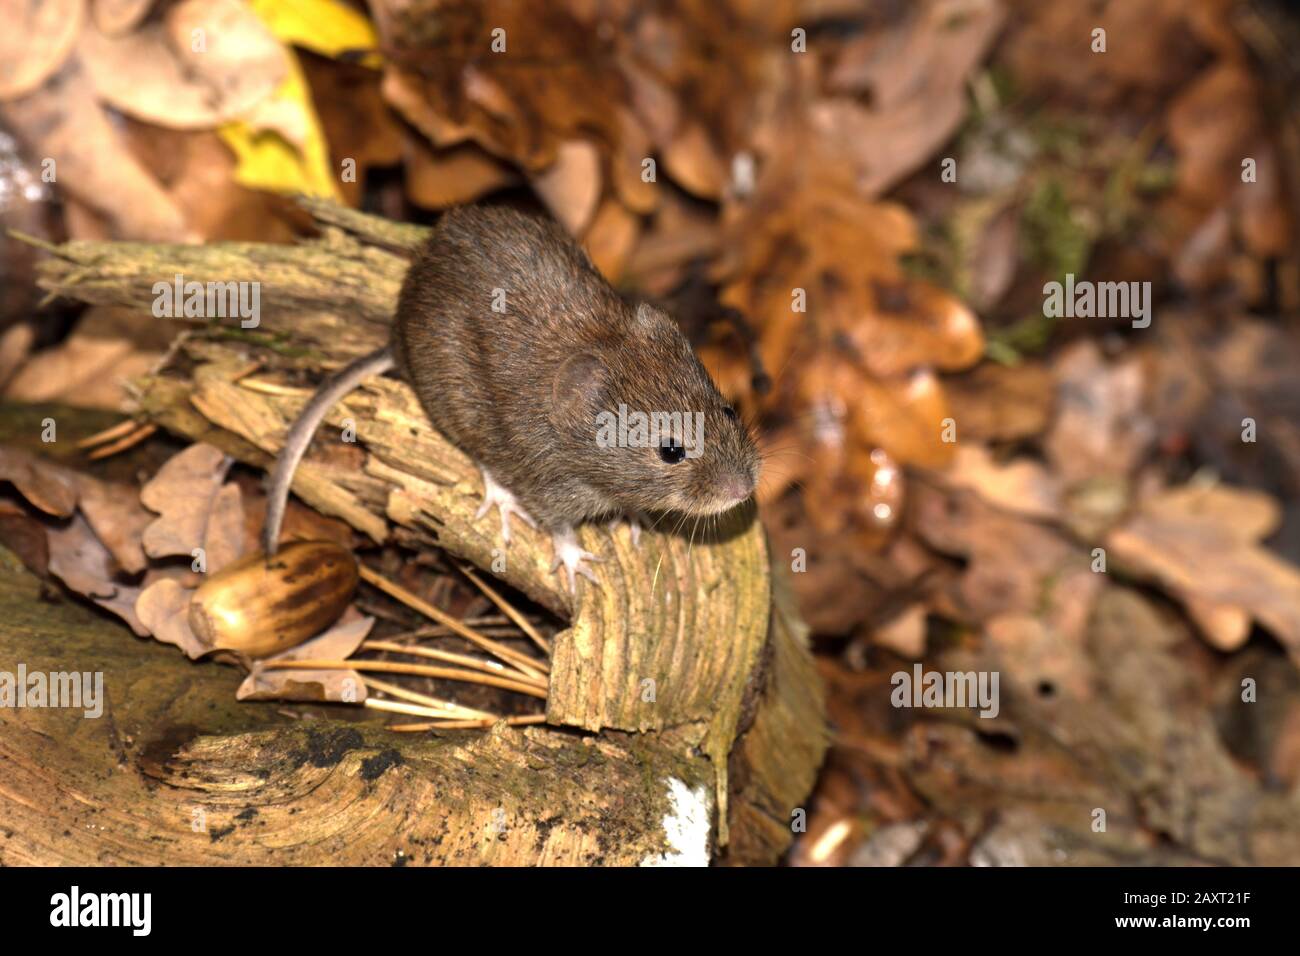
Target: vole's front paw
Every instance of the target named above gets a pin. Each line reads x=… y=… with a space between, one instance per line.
x=506 y=505
x=571 y=555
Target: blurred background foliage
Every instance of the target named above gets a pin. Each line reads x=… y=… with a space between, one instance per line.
x=853 y=209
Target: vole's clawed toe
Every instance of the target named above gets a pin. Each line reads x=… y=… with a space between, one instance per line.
x=634 y=522
x=571 y=555
x=506 y=505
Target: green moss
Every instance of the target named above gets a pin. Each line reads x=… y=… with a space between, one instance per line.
x=1054 y=236
x=277 y=342
x=1028 y=336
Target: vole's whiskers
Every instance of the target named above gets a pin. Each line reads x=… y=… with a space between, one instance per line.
x=770 y=452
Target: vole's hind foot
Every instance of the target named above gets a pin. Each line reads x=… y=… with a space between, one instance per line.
x=505 y=502
x=571 y=555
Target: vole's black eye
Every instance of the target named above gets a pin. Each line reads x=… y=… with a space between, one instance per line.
x=671 y=451
x=729 y=412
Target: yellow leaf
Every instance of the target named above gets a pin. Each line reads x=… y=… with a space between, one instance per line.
x=280 y=147
x=327 y=27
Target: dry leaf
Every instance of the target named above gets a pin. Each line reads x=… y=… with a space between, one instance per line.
x=610 y=239
x=115 y=515
x=904 y=634
x=917 y=82
x=196 y=510
x=1022 y=486
x=118 y=16
x=163 y=609
x=1009 y=560
x=693 y=162
x=37 y=37
x=50 y=487
x=84 y=371
x=358 y=124
x=64 y=122
x=1102 y=427
x=80 y=560
x=15 y=347
x=1044 y=53
x=1202 y=545
x=570 y=187
x=24 y=536
x=1000 y=403
x=309 y=686
x=450 y=177
x=338 y=643
x=156 y=74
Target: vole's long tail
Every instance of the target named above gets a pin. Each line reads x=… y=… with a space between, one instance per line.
x=299 y=437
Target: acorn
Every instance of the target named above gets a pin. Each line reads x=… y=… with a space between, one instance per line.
x=260 y=606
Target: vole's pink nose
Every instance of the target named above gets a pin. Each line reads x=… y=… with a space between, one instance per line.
x=737 y=488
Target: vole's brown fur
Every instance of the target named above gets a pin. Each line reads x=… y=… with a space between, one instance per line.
x=519 y=389
x=513 y=343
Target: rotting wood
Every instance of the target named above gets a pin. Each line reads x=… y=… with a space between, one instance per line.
x=670 y=643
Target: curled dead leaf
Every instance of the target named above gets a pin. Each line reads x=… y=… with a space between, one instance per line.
x=693 y=162
x=338 y=643
x=49 y=487
x=610 y=239
x=908 y=416
x=571 y=186
x=36 y=39
x=80 y=560
x=209 y=61
x=458 y=174
x=114 y=17
x=196 y=510
x=915 y=324
x=63 y=120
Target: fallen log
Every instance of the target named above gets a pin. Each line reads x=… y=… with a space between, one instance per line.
x=687 y=662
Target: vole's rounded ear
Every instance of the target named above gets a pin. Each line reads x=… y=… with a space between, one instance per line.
x=579 y=388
